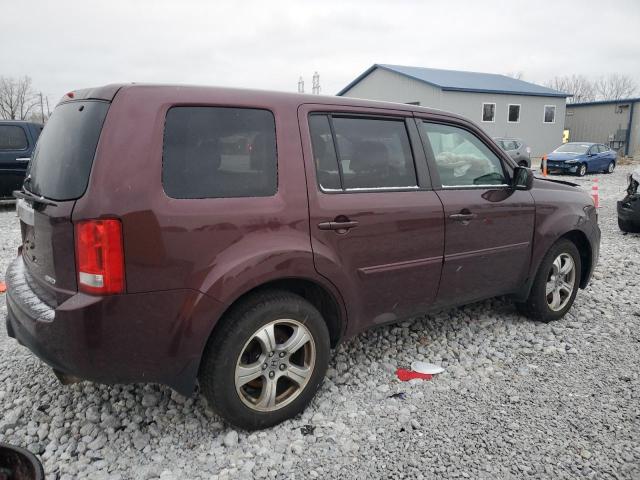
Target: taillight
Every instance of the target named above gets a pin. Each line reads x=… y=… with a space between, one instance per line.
x=100 y=257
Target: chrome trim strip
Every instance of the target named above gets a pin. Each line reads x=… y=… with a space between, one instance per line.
x=420 y=262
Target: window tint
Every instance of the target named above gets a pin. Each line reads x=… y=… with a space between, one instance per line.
x=324 y=153
x=63 y=157
x=488 y=112
x=549 y=114
x=374 y=153
x=514 y=113
x=12 y=137
x=461 y=158
x=215 y=152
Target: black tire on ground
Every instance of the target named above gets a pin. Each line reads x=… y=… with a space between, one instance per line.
x=611 y=167
x=627 y=226
x=536 y=306
x=224 y=348
x=582 y=170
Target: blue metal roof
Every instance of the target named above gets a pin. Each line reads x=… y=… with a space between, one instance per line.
x=454 y=80
x=603 y=102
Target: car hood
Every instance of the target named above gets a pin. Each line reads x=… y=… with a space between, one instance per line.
x=550 y=184
x=564 y=156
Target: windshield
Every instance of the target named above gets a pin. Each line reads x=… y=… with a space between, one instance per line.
x=573 y=148
x=64 y=154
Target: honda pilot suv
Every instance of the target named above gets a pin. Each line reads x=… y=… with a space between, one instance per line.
x=223 y=240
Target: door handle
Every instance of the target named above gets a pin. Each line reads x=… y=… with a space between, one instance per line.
x=463 y=217
x=343 y=225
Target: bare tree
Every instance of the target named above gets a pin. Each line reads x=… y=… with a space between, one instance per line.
x=615 y=87
x=17 y=98
x=580 y=87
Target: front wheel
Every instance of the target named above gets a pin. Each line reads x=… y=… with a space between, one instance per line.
x=267 y=360
x=556 y=284
x=582 y=170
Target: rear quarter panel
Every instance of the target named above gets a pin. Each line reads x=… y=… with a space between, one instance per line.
x=220 y=247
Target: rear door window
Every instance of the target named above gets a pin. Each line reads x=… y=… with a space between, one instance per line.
x=359 y=153
x=461 y=158
x=219 y=152
x=62 y=160
x=12 y=137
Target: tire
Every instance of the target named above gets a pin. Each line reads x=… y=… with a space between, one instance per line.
x=611 y=167
x=582 y=170
x=537 y=306
x=627 y=226
x=246 y=404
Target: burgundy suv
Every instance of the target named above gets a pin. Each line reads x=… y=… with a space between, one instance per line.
x=230 y=238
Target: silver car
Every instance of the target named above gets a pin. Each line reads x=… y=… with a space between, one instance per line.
x=517 y=149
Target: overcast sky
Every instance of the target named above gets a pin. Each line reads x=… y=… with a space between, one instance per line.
x=64 y=45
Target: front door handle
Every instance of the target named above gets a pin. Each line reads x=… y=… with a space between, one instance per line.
x=338 y=226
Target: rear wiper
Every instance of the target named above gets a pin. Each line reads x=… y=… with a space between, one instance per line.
x=27 y=195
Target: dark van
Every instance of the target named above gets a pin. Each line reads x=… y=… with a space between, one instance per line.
x=230 y=238
x=17 y=141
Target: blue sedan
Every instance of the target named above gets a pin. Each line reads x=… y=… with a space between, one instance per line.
x=581 y=158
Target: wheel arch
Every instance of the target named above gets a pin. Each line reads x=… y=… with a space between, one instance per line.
x=581 y=241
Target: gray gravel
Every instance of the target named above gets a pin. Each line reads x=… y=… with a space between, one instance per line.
x=517 y=399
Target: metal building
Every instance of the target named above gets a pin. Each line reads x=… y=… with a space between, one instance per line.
x=501 y=105
x=613 y=122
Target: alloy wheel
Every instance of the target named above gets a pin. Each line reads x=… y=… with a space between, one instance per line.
x=610 y=167
x=275 y=365
x=583 y=170
x=560 y=282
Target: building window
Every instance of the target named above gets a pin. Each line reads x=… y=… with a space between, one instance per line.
x=488 y=112
x=513 y=113
x=549 y=114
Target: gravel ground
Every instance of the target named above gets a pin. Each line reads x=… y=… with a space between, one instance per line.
x=517 y=399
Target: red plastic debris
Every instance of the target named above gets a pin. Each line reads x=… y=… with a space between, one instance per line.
x=406 y=375
x=3 y=287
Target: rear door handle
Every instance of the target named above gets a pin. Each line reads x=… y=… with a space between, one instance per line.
x=463 y=217
x=346 y=225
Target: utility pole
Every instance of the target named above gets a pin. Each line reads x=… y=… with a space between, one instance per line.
x=316 y=84
x=48 y=110
x=41 y=108
x=301 y=85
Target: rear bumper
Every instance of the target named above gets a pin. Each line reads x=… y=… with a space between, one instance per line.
x=144 y=337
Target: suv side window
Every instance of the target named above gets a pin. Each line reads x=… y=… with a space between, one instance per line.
x=359 y=153
x=461 y=158
x=12 y=137
x=219 y=152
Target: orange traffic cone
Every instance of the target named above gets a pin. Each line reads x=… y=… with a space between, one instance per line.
x=595 y=193
x=544 y=165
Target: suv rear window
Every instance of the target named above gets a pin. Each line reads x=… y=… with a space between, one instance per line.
x=219 y=152
x=63 y=156
x=12 y=137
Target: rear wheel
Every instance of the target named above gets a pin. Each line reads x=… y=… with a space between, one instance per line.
x=582 y=170
x=556 y=284
x=267 y=361
x=611 y=167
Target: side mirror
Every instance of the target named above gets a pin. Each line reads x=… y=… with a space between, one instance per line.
x=522 y=178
